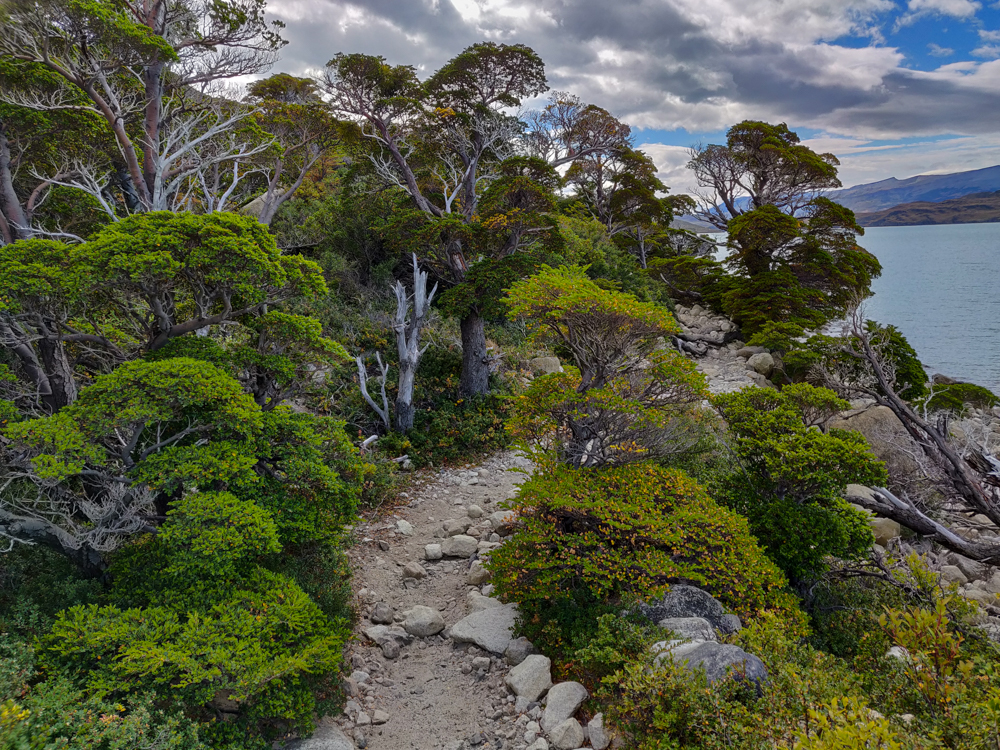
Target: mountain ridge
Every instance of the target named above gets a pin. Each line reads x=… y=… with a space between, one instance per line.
x=933 y=188
x=975 y=208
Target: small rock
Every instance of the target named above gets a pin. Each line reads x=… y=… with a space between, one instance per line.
x=502 y=521
x=360 y=740
x=481 y=662
x=423 y=621
x=459 y=546
x=898 y=652
x=539 y=744
x=454 y=526
x=478 y=575
x=381 y=614
x=562 y=703
x=404 y=527
x=414 y=570
x=363 y=719
x=380 y=717
x=475 y=511
x=531 y=678
x=597 y=734
x=567 y=735
x=383 y=545
x=518 y=650
x=433 y=552
x=390 y=649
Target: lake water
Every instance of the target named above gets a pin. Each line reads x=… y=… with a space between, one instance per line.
x=940 y=286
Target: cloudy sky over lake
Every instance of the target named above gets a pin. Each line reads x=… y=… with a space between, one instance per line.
x=893 y=88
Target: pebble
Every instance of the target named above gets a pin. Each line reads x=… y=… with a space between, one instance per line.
x=414 y=570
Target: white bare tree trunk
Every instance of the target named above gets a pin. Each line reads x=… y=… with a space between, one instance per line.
x=408 y=341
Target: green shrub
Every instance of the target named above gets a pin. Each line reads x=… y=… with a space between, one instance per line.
x=58 y=715
x=791 y=477
x=592 y=536
x=259 y=641
x=958 y=397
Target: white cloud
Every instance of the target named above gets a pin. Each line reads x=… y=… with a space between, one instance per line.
x=938 y=51
x=961 y=9
x=989 y=51
x=701 y=65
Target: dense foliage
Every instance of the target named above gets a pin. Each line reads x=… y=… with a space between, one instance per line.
x=790 y=476
x=591 y=537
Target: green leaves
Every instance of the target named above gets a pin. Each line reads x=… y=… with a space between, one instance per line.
x=793 y=476
x=216 y=533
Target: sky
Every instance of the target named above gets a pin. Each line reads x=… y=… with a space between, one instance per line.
x=894 y=88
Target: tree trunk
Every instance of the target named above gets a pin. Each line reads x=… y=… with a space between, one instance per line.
x=475 y=379
x=10 y=206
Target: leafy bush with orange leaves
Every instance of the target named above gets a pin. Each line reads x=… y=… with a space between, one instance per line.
x=627 y=399
x=593 y=538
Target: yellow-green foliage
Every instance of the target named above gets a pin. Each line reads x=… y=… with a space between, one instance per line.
x=603 y=535
x=847 y=724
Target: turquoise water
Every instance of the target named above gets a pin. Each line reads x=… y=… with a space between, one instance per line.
x=940 y=286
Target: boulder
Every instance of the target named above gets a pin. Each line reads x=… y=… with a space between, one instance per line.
x=717 y=659
x=762 y=363
x=477 y=602
x=953 y=574
x=423 y=621
x=567 y=735
x=748 y=351
x=518 y=650
x=682 y=600
x=328 y=736
x=545 y=365
x=888 y=439
x=489 y=629
x=691 y=628
x=459 y=546
x=597 y=734
x=562 y=703
x=531 y=678
x=729 y=624
x=884 y=529
x=973 y=569
x=478 y=575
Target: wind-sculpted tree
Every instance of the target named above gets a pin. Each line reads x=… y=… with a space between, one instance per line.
x=444 y=141
x=143 y=437
x=151 y=62
x=627 y=399
x=793 y=253
x=135 y=286
x=77 y=320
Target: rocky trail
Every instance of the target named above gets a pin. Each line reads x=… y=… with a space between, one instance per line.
x=432 y=649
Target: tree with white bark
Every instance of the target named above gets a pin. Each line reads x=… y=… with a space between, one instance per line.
x=411 y=316
x=150 y=70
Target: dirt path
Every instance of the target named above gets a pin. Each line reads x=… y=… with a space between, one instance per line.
x=426 y=692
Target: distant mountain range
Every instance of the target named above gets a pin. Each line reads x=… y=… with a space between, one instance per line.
x=933 y=188
x=976 y=208
x=957 y=198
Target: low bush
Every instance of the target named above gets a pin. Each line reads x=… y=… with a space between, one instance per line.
x=591 y=538
x=789 y=476
x=958 y=397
